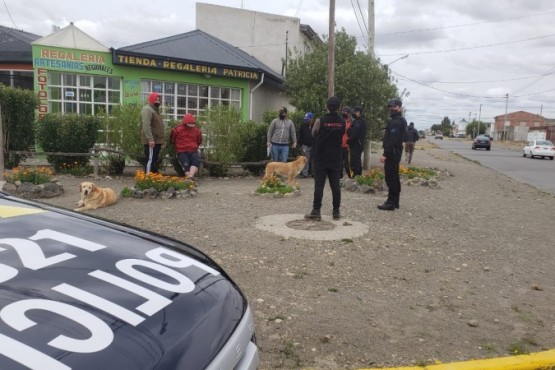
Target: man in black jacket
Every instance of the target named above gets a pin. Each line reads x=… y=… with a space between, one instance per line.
x=411 y=138
x=392 y=153
x=357 y=135
x=326 y=153
x=305 y=142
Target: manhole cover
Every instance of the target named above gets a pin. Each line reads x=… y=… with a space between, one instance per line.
x=310 y=225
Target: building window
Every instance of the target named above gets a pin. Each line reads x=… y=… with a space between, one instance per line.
x=83 y=94
x=13 y=78
x=181 y=98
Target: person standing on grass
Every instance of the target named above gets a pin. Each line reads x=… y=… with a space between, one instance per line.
x=411 y=138
x=392 y=153
x=152 y=132
x=328 y=132
x=280 y=133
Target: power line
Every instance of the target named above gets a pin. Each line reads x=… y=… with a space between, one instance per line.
x=447 y=91
x=470 y=47
x=537 y=80
x=464 y=24
x=8 y=11
x=298 y=8
x=362 y=30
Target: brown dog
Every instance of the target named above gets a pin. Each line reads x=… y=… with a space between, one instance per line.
x=93 y=197
x=289 y=169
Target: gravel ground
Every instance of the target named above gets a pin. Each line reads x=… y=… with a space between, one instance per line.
x=460 y=272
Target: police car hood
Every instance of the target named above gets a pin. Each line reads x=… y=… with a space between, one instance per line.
x=78 y=292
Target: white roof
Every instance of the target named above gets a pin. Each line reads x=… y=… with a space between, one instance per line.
x=71 y=37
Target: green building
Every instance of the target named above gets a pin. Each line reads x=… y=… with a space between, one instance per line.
x=193 y=71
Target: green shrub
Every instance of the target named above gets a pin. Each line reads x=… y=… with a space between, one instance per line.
x=18 y=119
x=274 y=185
x=70 y=133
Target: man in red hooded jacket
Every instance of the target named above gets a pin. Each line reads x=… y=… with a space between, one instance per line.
x=186 y=139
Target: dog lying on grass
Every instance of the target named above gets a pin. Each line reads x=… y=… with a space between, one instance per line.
x=285 y=169
x=93 y=197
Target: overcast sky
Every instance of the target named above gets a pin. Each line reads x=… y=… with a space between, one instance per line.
x=462 y=54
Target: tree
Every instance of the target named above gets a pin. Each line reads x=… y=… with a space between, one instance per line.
x=473 y=126
x=444 y=127
x=360 y=80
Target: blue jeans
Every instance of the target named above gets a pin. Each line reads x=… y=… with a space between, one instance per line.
x=280 y=152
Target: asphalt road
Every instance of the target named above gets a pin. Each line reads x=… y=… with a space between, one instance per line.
x=539 y=173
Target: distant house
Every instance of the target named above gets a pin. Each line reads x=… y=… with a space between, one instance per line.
x=516 y=125
x=16 y=57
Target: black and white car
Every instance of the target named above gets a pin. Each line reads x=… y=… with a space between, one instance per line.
x=77 y=292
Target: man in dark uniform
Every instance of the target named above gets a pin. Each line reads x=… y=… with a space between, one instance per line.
x=392 y=153
x=357 y=135
x=326 y=153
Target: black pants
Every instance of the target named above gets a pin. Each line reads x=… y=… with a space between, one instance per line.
x=333 y=173
x=356 y=161
x=151 y=158
x=392 y=179
x=346 y=162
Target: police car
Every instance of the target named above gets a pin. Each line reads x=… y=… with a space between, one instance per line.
x=77 y=292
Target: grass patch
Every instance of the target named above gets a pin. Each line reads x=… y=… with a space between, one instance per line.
x=273 y=185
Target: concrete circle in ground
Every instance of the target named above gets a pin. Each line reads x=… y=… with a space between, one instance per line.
x=342 y=229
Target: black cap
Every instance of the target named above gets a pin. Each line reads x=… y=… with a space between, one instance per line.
x=394 y=103
x=334 y=102
x=358 y=108
x=346 y=108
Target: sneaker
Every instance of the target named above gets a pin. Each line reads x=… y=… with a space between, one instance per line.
x=314 y=215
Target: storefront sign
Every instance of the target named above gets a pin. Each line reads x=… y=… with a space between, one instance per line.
x=139 y=61
x=42 y=82
x=72 y=60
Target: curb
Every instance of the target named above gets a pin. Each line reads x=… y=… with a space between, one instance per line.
x=534 y=361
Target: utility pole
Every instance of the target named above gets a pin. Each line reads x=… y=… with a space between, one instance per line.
x=479 y=118
x=505 y=118
x=331 y=51
x=371 y=28
x=371 y=42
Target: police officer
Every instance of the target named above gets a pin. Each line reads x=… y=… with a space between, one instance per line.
x=326 y=153
x=357 y=135
x=392 y=153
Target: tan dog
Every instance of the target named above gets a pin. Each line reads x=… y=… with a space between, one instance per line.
x=93 y=197
x=289 y=169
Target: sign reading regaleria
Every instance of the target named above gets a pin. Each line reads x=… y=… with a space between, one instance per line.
x=171 y=65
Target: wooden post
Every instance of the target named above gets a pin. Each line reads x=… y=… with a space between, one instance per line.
x=96 y=161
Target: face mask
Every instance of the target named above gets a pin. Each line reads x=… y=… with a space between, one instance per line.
x=281 y=116
x=156 y=105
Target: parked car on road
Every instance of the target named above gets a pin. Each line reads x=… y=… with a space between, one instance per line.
x=439 y=136
x=482 y=141
x=539 y=148
x=79 y=292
